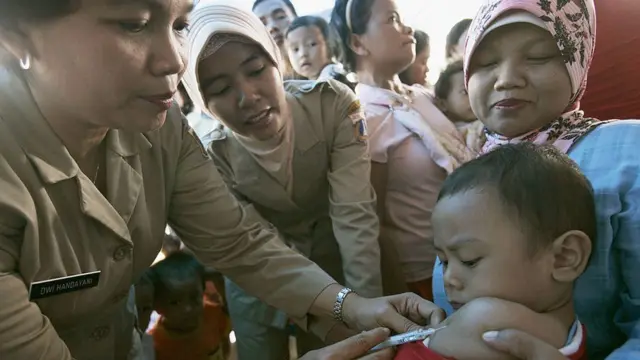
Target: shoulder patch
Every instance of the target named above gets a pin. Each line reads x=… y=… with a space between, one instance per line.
x=354 y=107
x=355 y=113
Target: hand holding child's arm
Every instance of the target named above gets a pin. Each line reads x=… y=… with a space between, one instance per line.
x=462 y=338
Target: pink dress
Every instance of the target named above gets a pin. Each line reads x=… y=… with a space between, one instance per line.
x=419 y=147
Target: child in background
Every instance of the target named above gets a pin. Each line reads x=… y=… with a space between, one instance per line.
x=192 y=325
x=312 y=48
x=453 y=100
x=513 y=230
x=416 y=73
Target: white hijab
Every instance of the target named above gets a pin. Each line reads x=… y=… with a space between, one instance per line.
x=212 y=25
x=209 y=19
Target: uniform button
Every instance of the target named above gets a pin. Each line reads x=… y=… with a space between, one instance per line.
x=100 y=333
x=120 y=253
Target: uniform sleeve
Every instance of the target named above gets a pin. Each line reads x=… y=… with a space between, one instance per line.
x=25 y=333
x=212 y=223
x=352 y=197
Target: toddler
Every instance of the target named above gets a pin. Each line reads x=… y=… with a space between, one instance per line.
x=312 y=49
x=453 y=100
x=513 y=230
x=192 y=324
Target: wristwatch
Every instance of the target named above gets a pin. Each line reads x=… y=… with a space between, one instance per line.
x=337 y=307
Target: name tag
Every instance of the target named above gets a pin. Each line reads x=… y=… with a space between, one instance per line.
x=63 y=285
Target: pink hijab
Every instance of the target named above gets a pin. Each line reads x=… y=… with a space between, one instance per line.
x=572 y=23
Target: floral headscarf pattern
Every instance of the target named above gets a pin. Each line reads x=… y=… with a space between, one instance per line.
x=572 y=23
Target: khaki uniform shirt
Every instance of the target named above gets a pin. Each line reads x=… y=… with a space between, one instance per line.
x=55 y=223
x=331 y=198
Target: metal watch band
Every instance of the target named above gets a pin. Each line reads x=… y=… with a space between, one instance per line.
x=337 y=307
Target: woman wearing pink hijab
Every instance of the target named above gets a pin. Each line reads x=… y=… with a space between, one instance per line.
x=526 y=65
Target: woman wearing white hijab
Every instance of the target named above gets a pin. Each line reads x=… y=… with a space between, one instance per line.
x=295 y=155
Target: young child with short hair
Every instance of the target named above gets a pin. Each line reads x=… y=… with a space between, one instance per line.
x=312 y=50
x=192 y=325
x=513 y=230
x=453 y=99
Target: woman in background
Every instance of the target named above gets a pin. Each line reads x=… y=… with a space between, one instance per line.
x=294 y=154
x=413 y=145
x=416 y=73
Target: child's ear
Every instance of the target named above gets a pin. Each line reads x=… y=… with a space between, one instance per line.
x=571 y=252
x=357 y=46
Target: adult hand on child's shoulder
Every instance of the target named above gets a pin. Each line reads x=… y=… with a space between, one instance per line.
x=355 y=347
x=521 y=345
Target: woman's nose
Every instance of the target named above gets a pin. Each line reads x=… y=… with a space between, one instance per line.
x=408 y=30
x=510 y=74
x=247 y=95
x=169 y=57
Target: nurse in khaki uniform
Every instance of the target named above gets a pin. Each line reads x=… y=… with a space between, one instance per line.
x=95 y=160
x=295 y=156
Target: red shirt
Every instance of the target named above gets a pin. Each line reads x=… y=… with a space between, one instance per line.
x=613 y=85
x=576 y=350
x=205 y=343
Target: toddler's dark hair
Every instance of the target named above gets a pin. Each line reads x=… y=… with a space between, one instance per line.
x=443 y=85
x=286 y=2
x=177 y=266
x=539 y=185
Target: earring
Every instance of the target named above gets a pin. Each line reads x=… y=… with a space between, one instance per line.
x=25 y=62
